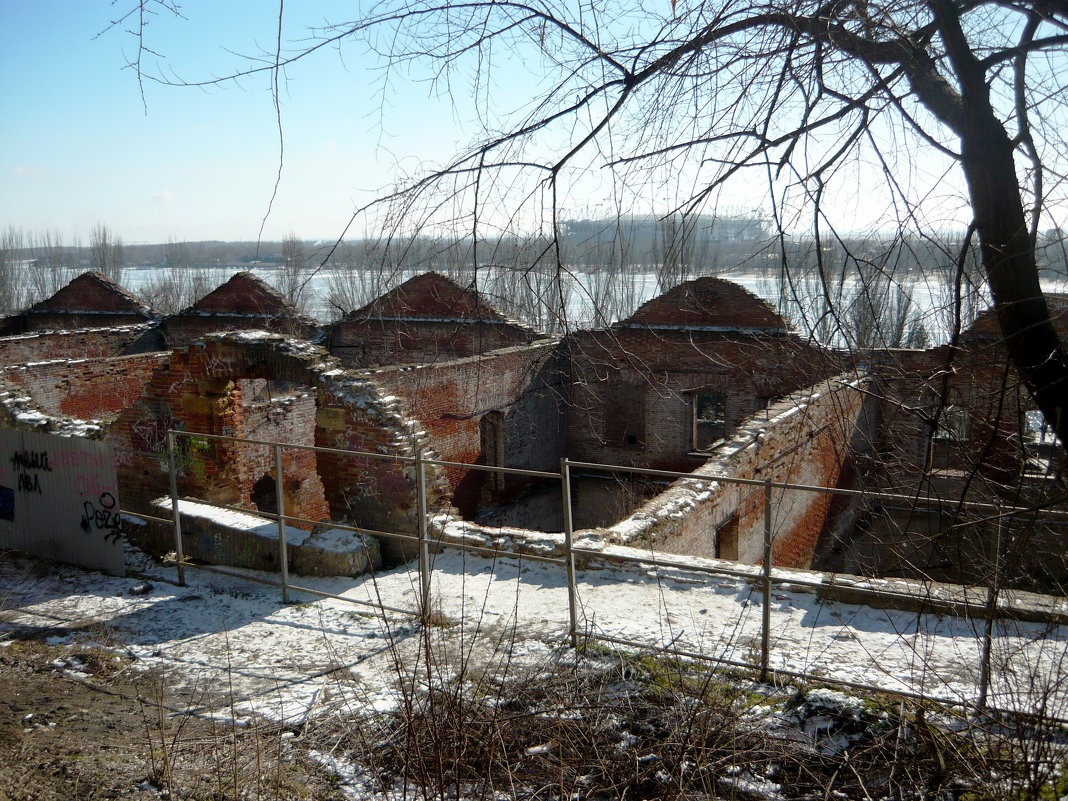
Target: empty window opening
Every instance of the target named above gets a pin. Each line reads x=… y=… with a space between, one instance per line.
x=952 y=424
x=727 y=540
x=265 y=495
x=625 y=415
x=950 y=434
x=1042 y=448
x=709 y=419
x=491 y=434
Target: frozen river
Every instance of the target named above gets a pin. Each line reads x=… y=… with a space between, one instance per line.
x=617 y=296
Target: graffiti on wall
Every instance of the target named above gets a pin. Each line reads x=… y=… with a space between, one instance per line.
x=59 y=499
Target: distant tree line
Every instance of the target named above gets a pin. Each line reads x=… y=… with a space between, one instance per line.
x=857 y=292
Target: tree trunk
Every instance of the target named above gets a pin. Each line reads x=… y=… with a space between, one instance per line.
x=1009 y=260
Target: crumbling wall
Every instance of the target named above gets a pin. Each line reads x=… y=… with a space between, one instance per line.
x=90 y=389
x=950 y=410
x=89 y=343
x=800 y=439
x=633 y=388
x=190 y=326
x=257 y=385
x=504 y=408
x=243 y=303
x=371 y=489
x=202 y=389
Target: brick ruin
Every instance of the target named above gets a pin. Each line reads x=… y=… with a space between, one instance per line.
x=428 y=318
x=89 y=301
x=243 y=303
x=705 y=378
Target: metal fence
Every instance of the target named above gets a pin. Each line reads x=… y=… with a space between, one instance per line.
x=986 y=611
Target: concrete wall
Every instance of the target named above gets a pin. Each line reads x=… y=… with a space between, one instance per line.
x=59 y=499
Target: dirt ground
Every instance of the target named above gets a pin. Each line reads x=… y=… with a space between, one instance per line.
x=78 y=724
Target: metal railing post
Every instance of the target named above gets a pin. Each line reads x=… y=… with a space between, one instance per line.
x=424 y=546
x=988 y=628
x=569 y=553
x=765 y=625
x=283 y=552
x=175 y=514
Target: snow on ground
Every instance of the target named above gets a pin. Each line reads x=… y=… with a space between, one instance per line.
x=230 y=646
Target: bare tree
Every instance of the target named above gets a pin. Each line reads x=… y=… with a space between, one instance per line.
x=182 y=281
x=12 y=257
x=291 y=279
x=105 y=252
x=797 y=91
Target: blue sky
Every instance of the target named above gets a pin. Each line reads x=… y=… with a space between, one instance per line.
x=77 y=146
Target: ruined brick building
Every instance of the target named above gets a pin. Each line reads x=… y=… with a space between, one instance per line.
x=705 y=378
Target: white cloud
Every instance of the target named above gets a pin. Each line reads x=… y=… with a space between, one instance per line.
x=164 y=196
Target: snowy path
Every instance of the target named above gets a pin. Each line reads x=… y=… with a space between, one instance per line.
x=231 y=644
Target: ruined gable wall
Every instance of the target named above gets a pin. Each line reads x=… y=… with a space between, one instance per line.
x=355 y=413
x=801 y=440
x=290 y=419
x=90 y=389
x=183 y=329
x=199 y=390
x=524 y=385
x=668 y=366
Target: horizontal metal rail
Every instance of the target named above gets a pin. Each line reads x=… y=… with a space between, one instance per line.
x=912 y=501
x=294 y=446
x=142 y=516
x=499 y=552
x=488 y=468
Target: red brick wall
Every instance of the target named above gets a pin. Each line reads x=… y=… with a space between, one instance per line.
x=200 y=389
x=220 y=386
x=669 y=366
x=181 y=329
x=89 y=389
x=369 y=343
x=801 y=440
x=84 y=344
x=449 y=399
x=977 y=379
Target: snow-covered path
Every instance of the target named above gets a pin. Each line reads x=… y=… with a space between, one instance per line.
x=230 y=645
